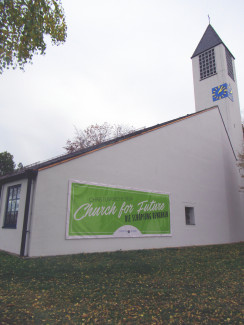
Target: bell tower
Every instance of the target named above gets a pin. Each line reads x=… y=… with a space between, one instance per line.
x=215 y=83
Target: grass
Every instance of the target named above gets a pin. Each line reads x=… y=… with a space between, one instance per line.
x=195 y=285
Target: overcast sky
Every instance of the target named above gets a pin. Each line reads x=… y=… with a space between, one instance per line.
x=124 y=62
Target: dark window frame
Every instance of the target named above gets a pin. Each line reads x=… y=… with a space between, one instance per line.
x=190 y=215
x=12 y=206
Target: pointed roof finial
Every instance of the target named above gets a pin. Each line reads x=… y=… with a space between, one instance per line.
x=209 y=19
x=209 y=40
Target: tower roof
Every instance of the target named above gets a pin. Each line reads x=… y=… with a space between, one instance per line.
x=209 y=40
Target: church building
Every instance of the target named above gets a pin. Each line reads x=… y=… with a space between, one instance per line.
x=174 y=184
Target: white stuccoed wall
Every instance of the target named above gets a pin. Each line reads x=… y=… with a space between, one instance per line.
x=191 y=160
x=203 y=95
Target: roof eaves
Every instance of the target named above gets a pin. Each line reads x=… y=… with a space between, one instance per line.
x=16 y=176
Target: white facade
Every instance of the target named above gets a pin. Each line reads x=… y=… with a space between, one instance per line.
x=230 y=110
x=171 y=160
x=191 y=159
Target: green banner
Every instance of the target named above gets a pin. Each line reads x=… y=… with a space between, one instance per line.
x=99 y=211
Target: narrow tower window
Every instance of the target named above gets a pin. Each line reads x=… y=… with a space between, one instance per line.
x=207 y=64
x=229 y=64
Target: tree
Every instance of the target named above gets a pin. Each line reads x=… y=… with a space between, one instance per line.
x=240 y=162
x=241 y=159
x=23 y=24
x=19 y=166
x=7 y=164
x=95 y=134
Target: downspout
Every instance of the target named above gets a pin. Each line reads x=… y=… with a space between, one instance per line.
x=31 y=176
x=1 y=186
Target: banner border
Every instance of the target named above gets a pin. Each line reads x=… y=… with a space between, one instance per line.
x=70 y=181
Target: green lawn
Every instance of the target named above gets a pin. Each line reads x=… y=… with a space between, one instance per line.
x=196 y=285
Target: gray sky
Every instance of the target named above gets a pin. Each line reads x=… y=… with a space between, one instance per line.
x=124 y=61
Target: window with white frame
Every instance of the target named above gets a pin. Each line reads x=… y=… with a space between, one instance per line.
x=189 y=215
x=12 y=206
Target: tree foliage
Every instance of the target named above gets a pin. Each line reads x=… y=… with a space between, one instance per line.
x=241 y=160
x=7 y=164
x=95 y=134
x=23 y=25
x=241 y=155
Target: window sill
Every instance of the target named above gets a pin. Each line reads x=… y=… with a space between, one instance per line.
x=214 y=74
x=9 y=227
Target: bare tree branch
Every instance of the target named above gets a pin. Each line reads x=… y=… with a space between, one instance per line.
x=95 y=134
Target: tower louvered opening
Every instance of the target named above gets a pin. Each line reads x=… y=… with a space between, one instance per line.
x=207 y=64
x=229 y=64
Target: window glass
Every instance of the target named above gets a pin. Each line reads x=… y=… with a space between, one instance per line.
x=190 y=216
x=12 y=206
x=10 y=193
